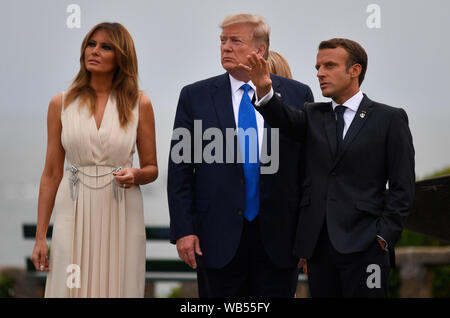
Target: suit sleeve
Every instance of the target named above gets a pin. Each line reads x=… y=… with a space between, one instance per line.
x=401 y=178
x=309 y=96
x=180 y=179
x=290 y=121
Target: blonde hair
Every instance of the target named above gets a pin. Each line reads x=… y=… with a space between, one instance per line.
x=125 y=81
x=278 y=65
x=261 y=31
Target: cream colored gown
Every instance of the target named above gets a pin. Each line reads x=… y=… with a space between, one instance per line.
x=98 y=227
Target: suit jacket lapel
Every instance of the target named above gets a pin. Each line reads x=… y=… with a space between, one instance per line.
x=361 y=116
x=223 y=104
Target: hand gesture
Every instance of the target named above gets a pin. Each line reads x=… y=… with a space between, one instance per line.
x=258 y=71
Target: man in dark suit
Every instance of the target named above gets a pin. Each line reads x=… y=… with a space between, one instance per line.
x=235 y=220
x=349 y=222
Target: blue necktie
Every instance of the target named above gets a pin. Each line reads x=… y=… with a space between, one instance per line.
x=249 y=146
x=339 y=110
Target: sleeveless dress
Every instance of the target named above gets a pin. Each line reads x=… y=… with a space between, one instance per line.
x=98 y=245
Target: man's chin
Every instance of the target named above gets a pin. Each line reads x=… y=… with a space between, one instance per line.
x=326 y=93
x=229 y=66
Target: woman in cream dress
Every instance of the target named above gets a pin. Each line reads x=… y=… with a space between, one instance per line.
x=98 y=244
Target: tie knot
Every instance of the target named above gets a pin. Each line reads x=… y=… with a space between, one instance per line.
x=246 y=88
x=340 y=109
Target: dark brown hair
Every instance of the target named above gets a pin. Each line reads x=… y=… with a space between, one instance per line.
x=356 y=53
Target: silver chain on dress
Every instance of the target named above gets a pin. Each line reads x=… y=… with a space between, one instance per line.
x=74 y=181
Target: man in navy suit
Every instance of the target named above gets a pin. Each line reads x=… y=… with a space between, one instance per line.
x=234 y=218
x=349 y=221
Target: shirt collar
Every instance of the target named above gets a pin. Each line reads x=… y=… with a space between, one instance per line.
x=352 y=103
x=236 y=84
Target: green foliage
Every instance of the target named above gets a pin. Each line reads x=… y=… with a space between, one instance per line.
x=443 y=172
x=6 y=286
x=176 y=292
x=441 y=282
x=394 y=284
x=410 y=238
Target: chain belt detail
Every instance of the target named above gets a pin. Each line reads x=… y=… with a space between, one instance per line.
x=75 y=180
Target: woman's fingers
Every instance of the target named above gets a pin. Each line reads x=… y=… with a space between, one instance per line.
x=124 y=178
x=43 y=263
x=35 y=261
x=40 y=260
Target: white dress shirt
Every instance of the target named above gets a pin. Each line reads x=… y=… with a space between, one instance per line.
x=352 y=105
x=236 y=96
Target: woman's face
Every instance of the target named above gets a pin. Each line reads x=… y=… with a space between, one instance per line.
x=99 y=56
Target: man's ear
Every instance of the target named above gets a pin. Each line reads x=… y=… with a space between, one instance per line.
x=261 y=49
x=355 y=70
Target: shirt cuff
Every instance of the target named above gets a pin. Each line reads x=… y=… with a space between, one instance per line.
x=265 y=99
x=386 y=247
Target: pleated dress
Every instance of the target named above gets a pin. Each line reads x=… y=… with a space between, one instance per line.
x=98 y=244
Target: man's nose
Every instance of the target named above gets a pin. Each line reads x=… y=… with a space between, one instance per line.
x=320 y=72
x=226 y=46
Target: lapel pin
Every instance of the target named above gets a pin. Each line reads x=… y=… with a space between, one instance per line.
x=278 y=94
x=363 y=114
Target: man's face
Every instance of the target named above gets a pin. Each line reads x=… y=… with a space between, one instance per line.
x=334 y=78
x=236 y=43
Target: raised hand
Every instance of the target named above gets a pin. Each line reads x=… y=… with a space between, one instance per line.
x=258 y=71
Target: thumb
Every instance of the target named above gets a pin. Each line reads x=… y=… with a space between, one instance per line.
x=198 y=251
x=120 y=173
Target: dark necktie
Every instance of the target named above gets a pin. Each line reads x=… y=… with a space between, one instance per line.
x=250 y=153
x=339 y=110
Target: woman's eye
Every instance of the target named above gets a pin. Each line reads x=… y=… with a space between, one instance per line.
x=91 y=44
x=107 y=47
